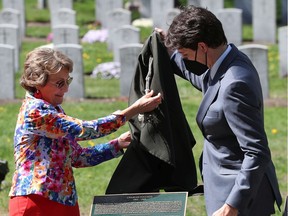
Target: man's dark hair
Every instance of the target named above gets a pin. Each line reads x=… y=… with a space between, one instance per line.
x=194 y=25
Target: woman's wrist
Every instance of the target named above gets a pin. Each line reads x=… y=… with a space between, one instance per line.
x=115 y=144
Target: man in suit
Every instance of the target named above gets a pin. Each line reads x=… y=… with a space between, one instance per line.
x=238 y=173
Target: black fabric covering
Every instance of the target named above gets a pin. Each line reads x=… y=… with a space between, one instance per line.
x=160 y=155
x=4 y=169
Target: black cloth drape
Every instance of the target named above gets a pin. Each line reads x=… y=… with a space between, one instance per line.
x=160 y=155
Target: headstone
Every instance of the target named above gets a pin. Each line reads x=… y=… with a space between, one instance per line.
x=7 y=74
x=124 y=35
x=259 y=57
x=196 y=3
x=246 y=6
x=128 y=61
x=170 y=15
x=57 y=4
x=66 y=34
x=11 y=16
x=63 y=16
x=117 y=18
x=145 y=8
x=231 y=19
x=159 y=10
x=20 y=6
x=282 y=44
x=264 y=21
x=74 y=52
x=9 y=35
x=42 y=4
x=213 y=5
x=102 y=9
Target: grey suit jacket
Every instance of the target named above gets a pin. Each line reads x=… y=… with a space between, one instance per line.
x=237 y=168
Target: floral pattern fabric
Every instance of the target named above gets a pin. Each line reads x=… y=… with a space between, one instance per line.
x=46 y=149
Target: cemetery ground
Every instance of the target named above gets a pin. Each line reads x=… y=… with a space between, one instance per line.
x=102 y=97
x=93 y=181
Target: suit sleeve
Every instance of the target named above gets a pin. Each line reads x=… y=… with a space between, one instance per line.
x=180 y=70
x=244 y=113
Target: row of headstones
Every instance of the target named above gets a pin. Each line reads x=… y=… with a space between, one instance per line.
x=117 y=21
x=246 y=6
x=256 y=52
x=264 y=17
x=160 y=11
x=111 y=14
x=230 y=18
x=13 y=27
x=62 y=14
x=7 y=81
x=128 y=61
x=145 y=9
x=63 y=22
x=66 y=39
x=232 y=24
x=75 y=93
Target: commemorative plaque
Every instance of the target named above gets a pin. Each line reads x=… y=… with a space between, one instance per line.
x=144 y=204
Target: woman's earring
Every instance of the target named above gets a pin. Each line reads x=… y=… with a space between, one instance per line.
x=37 y=94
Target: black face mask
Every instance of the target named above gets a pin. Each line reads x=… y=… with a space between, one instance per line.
x=196 y=67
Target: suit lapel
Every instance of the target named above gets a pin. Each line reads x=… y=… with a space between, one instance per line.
x=213 y=89
x=206 y=101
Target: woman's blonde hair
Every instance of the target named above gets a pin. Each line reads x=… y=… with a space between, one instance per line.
x=39 y=64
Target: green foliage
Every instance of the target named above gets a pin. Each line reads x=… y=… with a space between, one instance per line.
x=40 y=30
x=247 y=33
x=276 y=84
x=94 y=54
x=144 y=33
x=97 y=88
x=228 y=3
x=85 y=12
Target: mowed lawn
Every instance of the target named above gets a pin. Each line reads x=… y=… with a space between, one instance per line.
x=93 y=181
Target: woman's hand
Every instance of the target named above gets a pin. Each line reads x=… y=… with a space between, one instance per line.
x=144 y=104
x=147 y=102
x=124 y=140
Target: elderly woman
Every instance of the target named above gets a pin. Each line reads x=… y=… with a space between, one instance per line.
x=45 y=141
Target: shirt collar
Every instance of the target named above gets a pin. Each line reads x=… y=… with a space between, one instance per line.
x=215 y=67
x=31 y=95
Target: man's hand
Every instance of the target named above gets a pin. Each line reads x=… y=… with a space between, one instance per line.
x=226 y=210
x=161 y=32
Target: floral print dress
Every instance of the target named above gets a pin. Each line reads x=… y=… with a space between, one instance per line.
x=46 y=149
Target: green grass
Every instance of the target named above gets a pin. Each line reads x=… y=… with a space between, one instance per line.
x=93 y=181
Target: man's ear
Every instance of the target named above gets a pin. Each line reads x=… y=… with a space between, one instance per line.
x=203 y=46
